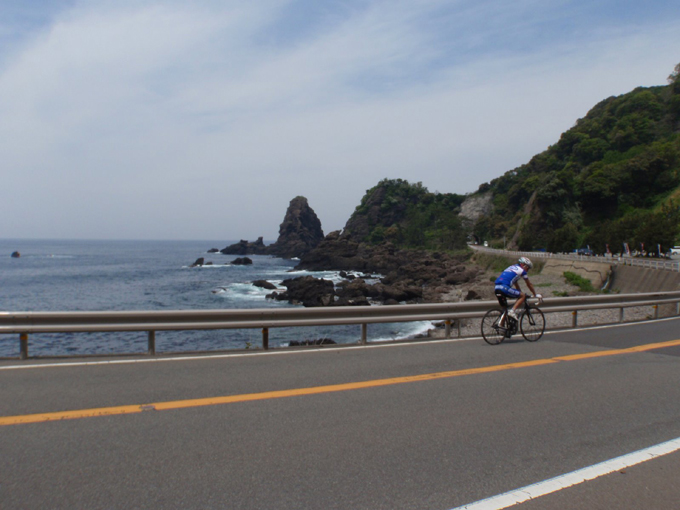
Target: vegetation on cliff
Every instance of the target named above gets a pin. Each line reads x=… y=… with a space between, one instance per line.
x=611 y=179
x=408 y=216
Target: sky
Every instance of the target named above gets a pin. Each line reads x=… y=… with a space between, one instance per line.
x=202 y=120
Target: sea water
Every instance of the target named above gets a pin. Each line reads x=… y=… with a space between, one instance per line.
x=77 y=275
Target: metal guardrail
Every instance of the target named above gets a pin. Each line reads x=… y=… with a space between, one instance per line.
x=625 y=260
x=25 y=323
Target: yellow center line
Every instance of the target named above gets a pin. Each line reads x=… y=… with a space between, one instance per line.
x=248 y=397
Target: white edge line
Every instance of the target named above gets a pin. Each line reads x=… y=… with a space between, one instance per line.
x=567 y=480
x=311 y=351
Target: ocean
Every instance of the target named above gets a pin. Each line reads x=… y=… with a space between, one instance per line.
x=77 y=275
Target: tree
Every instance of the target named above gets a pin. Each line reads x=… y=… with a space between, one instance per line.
x=674 y=102
x=659 y=228
x=674 y=80
x=564 y=239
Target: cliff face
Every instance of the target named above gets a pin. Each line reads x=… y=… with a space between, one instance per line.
x=299 y=233
x=476 y=206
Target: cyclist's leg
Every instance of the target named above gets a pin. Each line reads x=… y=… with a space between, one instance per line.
x=520 y=300
x=503 y=301
x=510 y=292
x=501 y=296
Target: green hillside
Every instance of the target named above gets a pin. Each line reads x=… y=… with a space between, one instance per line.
x=409 y=216
x=612 y=178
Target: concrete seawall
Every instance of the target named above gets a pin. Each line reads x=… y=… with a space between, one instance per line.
x=597 y=272
x=623 y=279
x=629 y=279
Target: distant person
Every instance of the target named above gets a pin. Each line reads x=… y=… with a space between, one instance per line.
x=507 y=285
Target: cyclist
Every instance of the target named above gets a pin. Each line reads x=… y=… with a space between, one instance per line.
x=507 y=285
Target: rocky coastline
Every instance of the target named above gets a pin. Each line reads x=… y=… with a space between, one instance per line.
x=379 y=273
x=408 y=276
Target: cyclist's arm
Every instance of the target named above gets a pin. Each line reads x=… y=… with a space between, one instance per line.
x=531 y=287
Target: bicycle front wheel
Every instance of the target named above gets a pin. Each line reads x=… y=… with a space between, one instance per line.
x=492 y=332
x=532 y=324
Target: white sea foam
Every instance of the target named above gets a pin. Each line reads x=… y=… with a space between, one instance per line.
x=404 y=330
x=247 y=292
x=207 y=266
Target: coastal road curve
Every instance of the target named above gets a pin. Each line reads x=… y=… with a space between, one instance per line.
x=427 y=425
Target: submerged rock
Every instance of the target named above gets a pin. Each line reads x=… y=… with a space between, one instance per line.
x=318 y=341
x=264 y=284
x=199 y=262
x=243 y=247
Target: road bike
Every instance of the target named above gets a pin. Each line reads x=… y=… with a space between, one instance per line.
x=497 y=325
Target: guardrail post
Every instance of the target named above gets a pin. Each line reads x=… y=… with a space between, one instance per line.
x=458 y=327
x=656 y=311
x=152 y=343
x=23 y=345
x=448 y=328
x=364 y=328
x=574 y=319
x=677 y=308
x=265 y=338
x=621 y=314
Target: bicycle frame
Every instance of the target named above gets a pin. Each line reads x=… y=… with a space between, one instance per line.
x=497 y=325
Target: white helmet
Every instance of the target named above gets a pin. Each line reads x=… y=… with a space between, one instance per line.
x=526 y=261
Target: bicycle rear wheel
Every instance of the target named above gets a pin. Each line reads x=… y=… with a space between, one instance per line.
x=492 y=332
x=532 y=324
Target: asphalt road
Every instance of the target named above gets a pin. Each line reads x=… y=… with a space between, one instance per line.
x=306 y=436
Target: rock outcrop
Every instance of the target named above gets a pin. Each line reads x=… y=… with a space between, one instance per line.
x=307 y=290
x=299 y=233
x=341 y=252
x=243 y=247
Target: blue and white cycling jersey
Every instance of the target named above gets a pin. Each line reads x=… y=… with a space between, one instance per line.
x=509 y=277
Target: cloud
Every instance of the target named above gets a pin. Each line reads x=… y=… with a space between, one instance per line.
x=170 y=120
